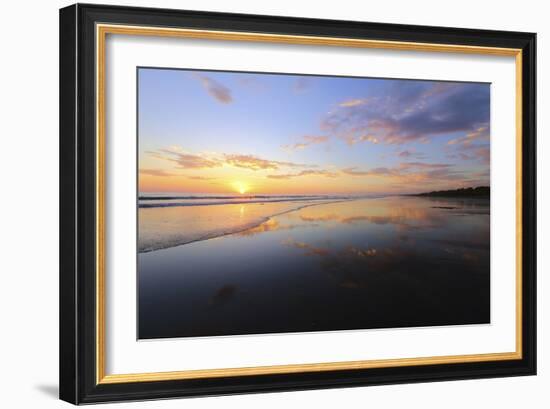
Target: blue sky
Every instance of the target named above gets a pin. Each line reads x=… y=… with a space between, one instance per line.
x=205 y=131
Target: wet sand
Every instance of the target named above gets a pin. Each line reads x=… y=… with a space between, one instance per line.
x=164 y=227
x=360 y=264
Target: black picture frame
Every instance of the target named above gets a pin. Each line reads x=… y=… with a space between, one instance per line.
x=78 y=318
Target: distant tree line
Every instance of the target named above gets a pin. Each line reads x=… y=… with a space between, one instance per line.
x=481 y=191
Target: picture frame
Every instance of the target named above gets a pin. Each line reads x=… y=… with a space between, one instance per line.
x=83 y=283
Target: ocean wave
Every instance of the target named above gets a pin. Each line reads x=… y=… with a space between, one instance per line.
x=172 y=201
x=172 y=197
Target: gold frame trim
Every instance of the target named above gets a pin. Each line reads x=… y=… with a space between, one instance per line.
x=101 y=32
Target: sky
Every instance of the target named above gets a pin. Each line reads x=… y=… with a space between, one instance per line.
x=207 y=132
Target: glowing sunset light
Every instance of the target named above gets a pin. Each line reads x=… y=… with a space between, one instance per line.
x=240 y=187
x=342 y=136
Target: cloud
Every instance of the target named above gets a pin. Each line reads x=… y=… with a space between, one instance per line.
x=156 y=172
x=324 y=173
x=215 y=89
x=354 y=172
x=423 y=165
x=399 y=169
x=255 y=163
x=410 y=111
x=200 y=178
x=479 y=154
x=473 y=146
x=410 y=153
x=189 y=161
x=186 y=160
x=481 y=133
x=352 y=140
x=484 y=154
x=368 y=138
x=410 y=172
x=250 y=162
x=306 y=140
x=353 y=102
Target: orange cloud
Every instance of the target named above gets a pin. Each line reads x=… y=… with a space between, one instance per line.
x=353 y=102
x=186 y=160
x=307 y=140
x=200 y=178
x=473 y=146
x=325 y=173
x=156 y=172
x=255 y=163
x=351 y=140
x=481 y=133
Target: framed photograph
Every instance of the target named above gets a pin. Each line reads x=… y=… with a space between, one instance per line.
x=257 y=203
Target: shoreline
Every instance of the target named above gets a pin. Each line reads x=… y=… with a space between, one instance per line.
x=244 y=228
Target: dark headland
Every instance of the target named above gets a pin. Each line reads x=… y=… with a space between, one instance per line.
x=481 y=191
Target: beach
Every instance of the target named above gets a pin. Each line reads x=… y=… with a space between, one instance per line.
x=311 y=264
x=174 y=221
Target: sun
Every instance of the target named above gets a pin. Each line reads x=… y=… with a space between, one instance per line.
x=240 y=187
